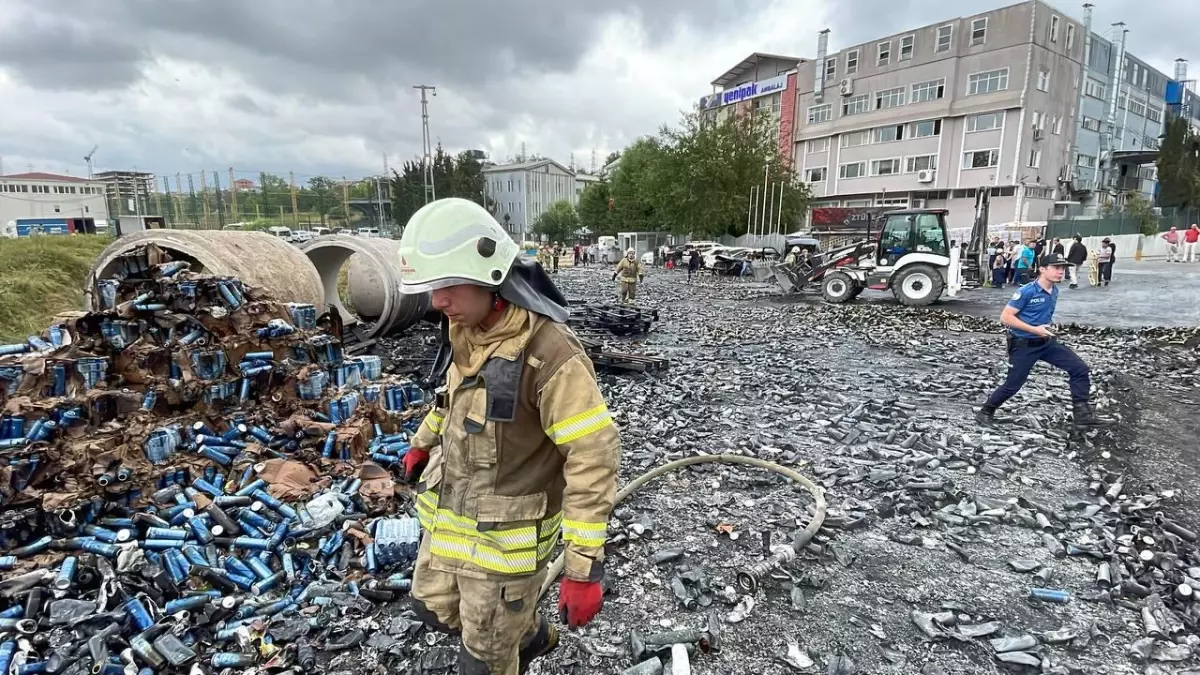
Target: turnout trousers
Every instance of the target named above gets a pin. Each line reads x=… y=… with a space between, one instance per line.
x=496 y=614
x=1023 y=353
x=628 y=291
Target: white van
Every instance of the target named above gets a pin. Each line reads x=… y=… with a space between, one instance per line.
x=368 y=232
x=284 y=233
x=321 y=231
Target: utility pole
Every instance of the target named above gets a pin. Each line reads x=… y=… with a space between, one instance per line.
x=345 y=202
x=158 y=197
x=204 y=197
x=178 y=201
x=233 y=207
x=220 y=206
x=379 y=203
x=295 y=210
x=427 y=142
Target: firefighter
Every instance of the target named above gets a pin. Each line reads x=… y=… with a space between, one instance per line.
x=792 y=256
x=630 y=271
x=519 y=450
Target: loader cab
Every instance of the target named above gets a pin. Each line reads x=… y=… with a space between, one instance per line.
x=912 y=231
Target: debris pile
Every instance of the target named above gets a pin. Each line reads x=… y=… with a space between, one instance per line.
x=197 y=473
x=948 y=547
x=596 y=323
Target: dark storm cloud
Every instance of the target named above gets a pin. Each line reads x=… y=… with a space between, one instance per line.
x=1155 y=36
x=56 y=51
x=340 y=49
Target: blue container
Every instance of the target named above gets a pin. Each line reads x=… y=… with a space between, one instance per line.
x=209 y=364
x=312 y=388
x=138 y=612
x=304 y=316
x=370 y=366
x=397 y=541
x=93 y=369
x=66 y=573
x=1050 y=595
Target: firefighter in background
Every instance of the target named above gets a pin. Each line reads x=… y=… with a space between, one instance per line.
x=519 y=449
x=631 y=273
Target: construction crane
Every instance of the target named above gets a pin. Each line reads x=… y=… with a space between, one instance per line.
x=88 y=158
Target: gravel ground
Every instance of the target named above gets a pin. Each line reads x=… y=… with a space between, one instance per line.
x=927 y=511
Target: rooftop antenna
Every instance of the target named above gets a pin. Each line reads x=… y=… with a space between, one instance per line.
x=88 y=158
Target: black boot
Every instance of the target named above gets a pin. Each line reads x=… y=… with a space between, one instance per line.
x=542 y=642
x=1084 y=415
x=986 y=415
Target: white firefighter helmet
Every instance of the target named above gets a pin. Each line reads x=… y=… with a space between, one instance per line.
x=795 y=249
x=453 y=241
x=631 y=254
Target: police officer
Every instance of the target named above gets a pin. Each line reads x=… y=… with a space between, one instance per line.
x=520 y=451
x=1028 y=316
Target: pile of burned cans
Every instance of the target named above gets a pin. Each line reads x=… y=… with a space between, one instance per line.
x=197 y=477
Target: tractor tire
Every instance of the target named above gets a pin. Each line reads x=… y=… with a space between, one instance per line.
x=838 y=287
x=918 y=285
x=857 y=291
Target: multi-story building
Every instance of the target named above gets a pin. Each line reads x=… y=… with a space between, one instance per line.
x=521 y=192
x=761 y=84
x=926 y=117
x=128 y=192
x=49 y=195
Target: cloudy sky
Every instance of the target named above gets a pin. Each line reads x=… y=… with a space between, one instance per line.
x=325 y=86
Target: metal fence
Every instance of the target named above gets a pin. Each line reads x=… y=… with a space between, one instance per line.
x=1119 y=223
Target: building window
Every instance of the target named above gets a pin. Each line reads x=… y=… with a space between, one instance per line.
x=945 y=34
x=1121 y=101
x=1094 y=89
x=1039 y=120
x=1035 y=158
x=830 y=69
x=978 y=31
x=855 y=138
x=924 y=129
x=856 y=105
x=885 y=167
x=892 y=132
x=920 y=163
x=928 y=91
x=815 y=174
x=1053 y=32
x=885 y=53
x=1070 y=36
x=906 y=47
x=820 y=113
x=1043 y=80
x=767 y=104
x=1137 y=107
x=86 y=210
x=818 y=145
x=981 y=159
x=1057 y=128
x=852 y=62
x=852 y=170
x=1154 y=114
x=987 y=82
x=889 y=98
x=56 y=210
x=1087 y=161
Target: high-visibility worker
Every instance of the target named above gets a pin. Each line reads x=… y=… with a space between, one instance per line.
x=630 y=272
x=519 y=450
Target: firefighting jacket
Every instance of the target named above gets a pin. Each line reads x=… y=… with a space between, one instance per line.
x=629 y=270
x=523 y=452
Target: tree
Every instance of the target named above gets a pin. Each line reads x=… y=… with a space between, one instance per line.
x=595 y=211
x=633 y=210
x=1179 y=166
x=559 y=223
x=458 y=175
x=322 y=196
x=1138 y=209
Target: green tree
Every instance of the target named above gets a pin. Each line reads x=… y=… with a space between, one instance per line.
x=1179 y=166
x=322 y=196
x=595 y=212
x=559 y=223
x=458 y=175
x=1138 y=209
x=633 y=208
x=703 y=184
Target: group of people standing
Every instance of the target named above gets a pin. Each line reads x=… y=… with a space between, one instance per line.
x=1181 y=246
x=1016 y=263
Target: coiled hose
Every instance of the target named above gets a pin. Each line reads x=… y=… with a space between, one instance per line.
x=747 y=579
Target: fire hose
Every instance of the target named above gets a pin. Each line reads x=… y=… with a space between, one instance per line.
x=748 y=578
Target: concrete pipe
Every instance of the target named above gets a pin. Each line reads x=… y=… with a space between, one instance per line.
x=257 y=258
x=374 y=279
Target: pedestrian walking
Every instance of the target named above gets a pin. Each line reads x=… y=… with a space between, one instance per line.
x=576 y=251
x=1174 y=241
x=693 y=264
x=1028 y=317
x=1105 y=258
x=494 y=497
x=1076 y=257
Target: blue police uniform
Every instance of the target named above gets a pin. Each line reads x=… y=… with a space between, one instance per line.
x=1035 y=306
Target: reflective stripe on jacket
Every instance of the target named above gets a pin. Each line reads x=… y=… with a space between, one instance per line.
x=524 y=452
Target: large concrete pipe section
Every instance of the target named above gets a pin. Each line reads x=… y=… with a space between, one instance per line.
x=258 y=259
x=374 y=281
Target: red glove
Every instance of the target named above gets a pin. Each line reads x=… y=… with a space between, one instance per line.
x=579 y=601
x=414 y=463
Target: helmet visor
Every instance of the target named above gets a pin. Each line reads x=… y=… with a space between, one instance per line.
x=435 y=284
